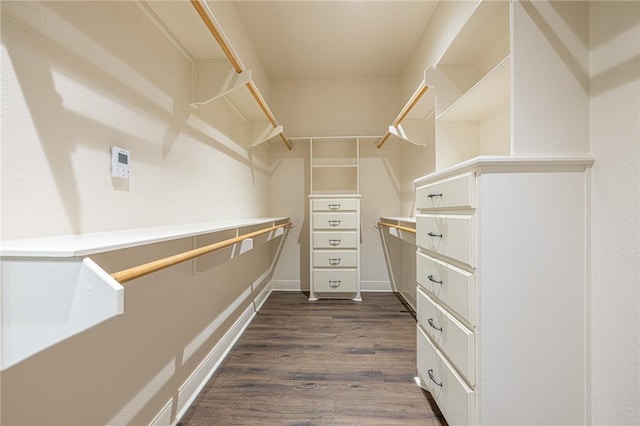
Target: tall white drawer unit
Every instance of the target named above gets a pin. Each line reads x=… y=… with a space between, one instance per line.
x=334 y=217
x=502 y=290
x=335 y=241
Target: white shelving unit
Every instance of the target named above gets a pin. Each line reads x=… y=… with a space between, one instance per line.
x=334 y=165
x=52 y=289
x=334 y=206
x=218 y=73
x=506 y=166
x=473 y=89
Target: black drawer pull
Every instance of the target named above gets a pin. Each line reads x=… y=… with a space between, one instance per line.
x=334 y=261
x=433 y=280
x=334 y=206
x=434 y=195
x=430 y=321
x=334 y=284
x=430 y=372
x=334 y=223
x=431 y=234
x=334 y=242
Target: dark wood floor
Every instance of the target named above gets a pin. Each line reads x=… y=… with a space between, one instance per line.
x=331 y=362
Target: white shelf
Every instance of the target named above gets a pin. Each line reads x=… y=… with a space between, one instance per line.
x=218 y=71
x=334 y=165
x=489 y=95
x=334 y=162
x=87 y=244
x=399 y=219
x=51 y=291
x=486 y=30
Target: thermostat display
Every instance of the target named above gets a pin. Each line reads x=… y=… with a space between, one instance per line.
x=120 y=160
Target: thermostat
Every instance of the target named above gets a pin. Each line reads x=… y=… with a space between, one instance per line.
x=120 y=159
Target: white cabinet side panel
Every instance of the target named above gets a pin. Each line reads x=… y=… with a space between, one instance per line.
x=531 y=289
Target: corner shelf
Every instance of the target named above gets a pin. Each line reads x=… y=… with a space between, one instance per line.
x=396 y=229
x=51 y=289
x=218 y=71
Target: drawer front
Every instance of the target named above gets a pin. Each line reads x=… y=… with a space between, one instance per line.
x=335 y=240
x=455 y=287
x=455 y=340
x=456 y=192
x=335 y=220
x=454 y=398
x=449 y=235
x=335 y=281
x=334 y=205
x=335 y=259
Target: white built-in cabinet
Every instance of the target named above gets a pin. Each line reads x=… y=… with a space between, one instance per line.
x=501 y=219
x=334 y=217
x=501 y=296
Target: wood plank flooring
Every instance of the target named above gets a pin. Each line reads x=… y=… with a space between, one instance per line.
x=330 y=362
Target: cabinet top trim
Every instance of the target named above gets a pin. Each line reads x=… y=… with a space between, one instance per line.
x=514 y=164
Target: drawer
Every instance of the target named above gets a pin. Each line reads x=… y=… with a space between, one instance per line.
x=335 y=220
x=323 y=239
x=455 y=340
x=456 y=192
x=448 y=235
x=335 y=259
x=453 y=286
x=454 y=398
x=335 y=281
x=334 y=205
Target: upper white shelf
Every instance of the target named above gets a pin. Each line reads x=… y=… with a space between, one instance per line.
x=87 y=244
x=194 y=29
x=483 y=99
x=486 y=31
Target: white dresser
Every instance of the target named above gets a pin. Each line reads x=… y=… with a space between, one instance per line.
x=502 y=290
x=335 y=241
x=334 y=217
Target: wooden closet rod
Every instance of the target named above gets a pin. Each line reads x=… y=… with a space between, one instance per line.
x=402 y=228
x=411 y=104
x=147 y=268
x=216 y=32
x=415 y=98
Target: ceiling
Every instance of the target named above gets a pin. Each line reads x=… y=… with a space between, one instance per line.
x=307 y=39
x=334 y=39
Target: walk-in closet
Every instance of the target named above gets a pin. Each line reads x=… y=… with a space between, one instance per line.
x=219 y=212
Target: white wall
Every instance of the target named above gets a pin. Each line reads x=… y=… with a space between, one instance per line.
x=615 y=212
x=74 y=84
x=78 y=77
x=337 y=107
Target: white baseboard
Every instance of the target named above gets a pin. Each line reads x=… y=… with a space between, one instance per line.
x=262 y=297
x=294 y=285
x=381 y=286
x=164 y=416
x=285 y=285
